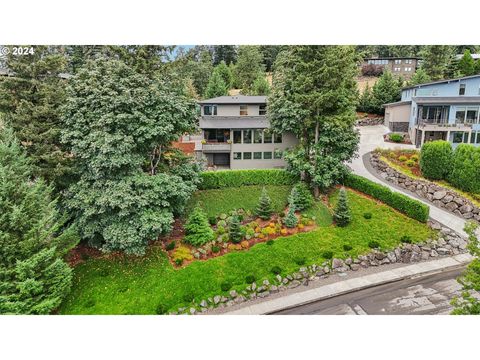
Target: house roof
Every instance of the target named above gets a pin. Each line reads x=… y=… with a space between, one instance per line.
x=398 y=103
x=237 y=99
x=447 y=100
x=441 y=81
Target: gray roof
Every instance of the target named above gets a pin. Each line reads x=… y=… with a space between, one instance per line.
x=237 y=99
x=441 y=81
x=398 y=103
x=447 y=100
x=474 y=56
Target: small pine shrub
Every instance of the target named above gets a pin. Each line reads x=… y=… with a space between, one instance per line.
x=161 y=309
x=225 y=286
x=347 y=247
x=178 y=262
x=250 y=279
x=406 y=239
x=300 y=261
x=215 y=249
x=373 y=244
x=342 y=213
x=197 y=229
x=402 y=158
x=170 y=246
x=276 y=270
x=300 y=197
x=327 y=254
x=270 y=242
x=235 y=232
x=290 y=220
x=367 y=215
x=264 y=207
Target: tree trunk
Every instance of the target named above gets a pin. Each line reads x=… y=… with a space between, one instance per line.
x=155 y=159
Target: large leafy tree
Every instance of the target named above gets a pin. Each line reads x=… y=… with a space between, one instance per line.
x=437 y=60
x=30 y=101
x=119 y=125
x=249 y=66
x=33 y=277
x=314 y=96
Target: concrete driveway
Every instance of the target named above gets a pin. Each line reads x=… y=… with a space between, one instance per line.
x=371 y=137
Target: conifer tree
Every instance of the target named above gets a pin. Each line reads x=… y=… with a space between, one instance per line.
x=264 y=207
x=466 y=65
x=225 y=72
x=216 y=86
x=290 y=220
x=260 y=86
x=300 y=197
x=235 y=230
x=386 y=90
x=197 y=229
x=342 y=213
x=420 y=77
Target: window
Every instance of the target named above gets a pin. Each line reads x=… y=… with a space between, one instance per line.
x=478 y=137
x=472 y=138
x=277 y=138
x=257 y=136
x=398 y=61
x=247 y=136
x=243 y=110
x=217 y=135
x=247 y=156
x=237 y=136
x=257 y=155
x=458 y=137
x=396 y=69
x=237 y=156
x=277 y=154
x=472 y=115
x=267 y=137
x=461 y=90
x=262 y=110
x=460 y=115
x=209 y=109
x=409 y=61
x=408 y=69
x=267 y=155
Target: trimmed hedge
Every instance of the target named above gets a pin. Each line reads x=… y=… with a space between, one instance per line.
x=233 y=178
x=410 y=207
x=465 y=173
x=436 y=159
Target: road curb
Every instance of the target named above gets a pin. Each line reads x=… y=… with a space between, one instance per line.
x=354 y=284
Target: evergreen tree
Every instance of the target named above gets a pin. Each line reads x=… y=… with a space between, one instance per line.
x=386 y=90
x=365 y=103
x=225 y=72
x=264 y=208
x=235 y=230
x=314 y=96
x=216 y=86
x=300 y=197
x=33 y=238
x=224 y=53
x=30 y=101
x=128 y=193
x=420 y=77
x=436 y=60
x=270 y=53
x=197 y=229
x=342 y=213
x=291 y=219
x=260 y=86
x=466 y=65
x=249 y=66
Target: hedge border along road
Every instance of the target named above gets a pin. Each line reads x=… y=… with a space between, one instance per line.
x=233 y=178
x=410 y=207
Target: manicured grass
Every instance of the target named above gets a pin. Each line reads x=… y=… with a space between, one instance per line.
x=139 y=285
x=219 y=201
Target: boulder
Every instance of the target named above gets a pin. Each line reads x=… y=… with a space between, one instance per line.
x=451 y=206
x=467 y=208
x=336 y=263
x=447 y=198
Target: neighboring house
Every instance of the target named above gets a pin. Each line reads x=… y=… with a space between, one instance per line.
x=401 y=66
x=474 y=56
x=441 y=110
x=236 y=135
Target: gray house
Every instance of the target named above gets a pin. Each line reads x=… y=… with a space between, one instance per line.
x=235 y=134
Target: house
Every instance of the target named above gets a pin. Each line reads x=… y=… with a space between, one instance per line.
x=235 y=134
x=401 y=66
x=441 y=110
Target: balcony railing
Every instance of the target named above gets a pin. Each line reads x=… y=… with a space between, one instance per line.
x=216 y=146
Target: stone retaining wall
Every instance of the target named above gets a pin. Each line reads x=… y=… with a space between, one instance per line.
x=438 y=195
x=370 y=121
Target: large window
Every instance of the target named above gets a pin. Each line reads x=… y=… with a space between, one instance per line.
x=257 y=136
x=237 y=156
x=262 y=110
x=472 y=115
x=460 y=115
x=267 y=155
x=398 y=61
x=247 y=136
x=267 y=137
x=237 y=136
x=243 y=110
x=247 y=156
x=217 y=135
x=459 y=137
x=209 y=109
x=257 y=155
x=277 y=138
x=475 y=138
x=467 y=115
x=461 y=90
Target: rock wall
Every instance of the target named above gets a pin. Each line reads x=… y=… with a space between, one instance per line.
x=438 y=195
x=370 y=121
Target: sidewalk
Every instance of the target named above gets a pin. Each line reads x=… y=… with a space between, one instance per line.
x=351 y=285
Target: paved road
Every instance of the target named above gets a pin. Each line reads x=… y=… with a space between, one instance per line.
x=426 y=295
x=371 y=137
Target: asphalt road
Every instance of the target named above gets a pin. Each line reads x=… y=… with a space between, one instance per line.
x=426 y=295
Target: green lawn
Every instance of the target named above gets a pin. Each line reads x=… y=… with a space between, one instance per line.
x=219 y=201
x=138 y=285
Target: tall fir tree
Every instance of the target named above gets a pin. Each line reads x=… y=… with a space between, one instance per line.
x=386 y=90
x=466 y=65
x=225 y=53
x=225 y=72
x=216 y=86
x=437 y=60
x=342 y=214
x=248 y=67
x=420 y=77
x=260 y=86
x=33 y=237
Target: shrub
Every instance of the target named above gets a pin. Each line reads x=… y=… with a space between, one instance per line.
x=465 y=173
x=406 y=239
x=264 y=207
x=410 y=207
x=347 y=247
x=367 y=215
x=410 y=162
x=235 y=178
x=235 y=231
x=300 y=197
x=249 y=279
x=188 y=297
x=197 y=229
x=290 y=220
x=225 y=286
x=436 y=158
x=212 y=220
x=170 y=246
x=327 y=254
x=373 y=244
x=342 y=213
x=216 y=249
x=161 y=309
x=396 y=138
x=300 y=261
x=276 y=270
x=180 y=254
x=270 y=242
x=402 y=158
